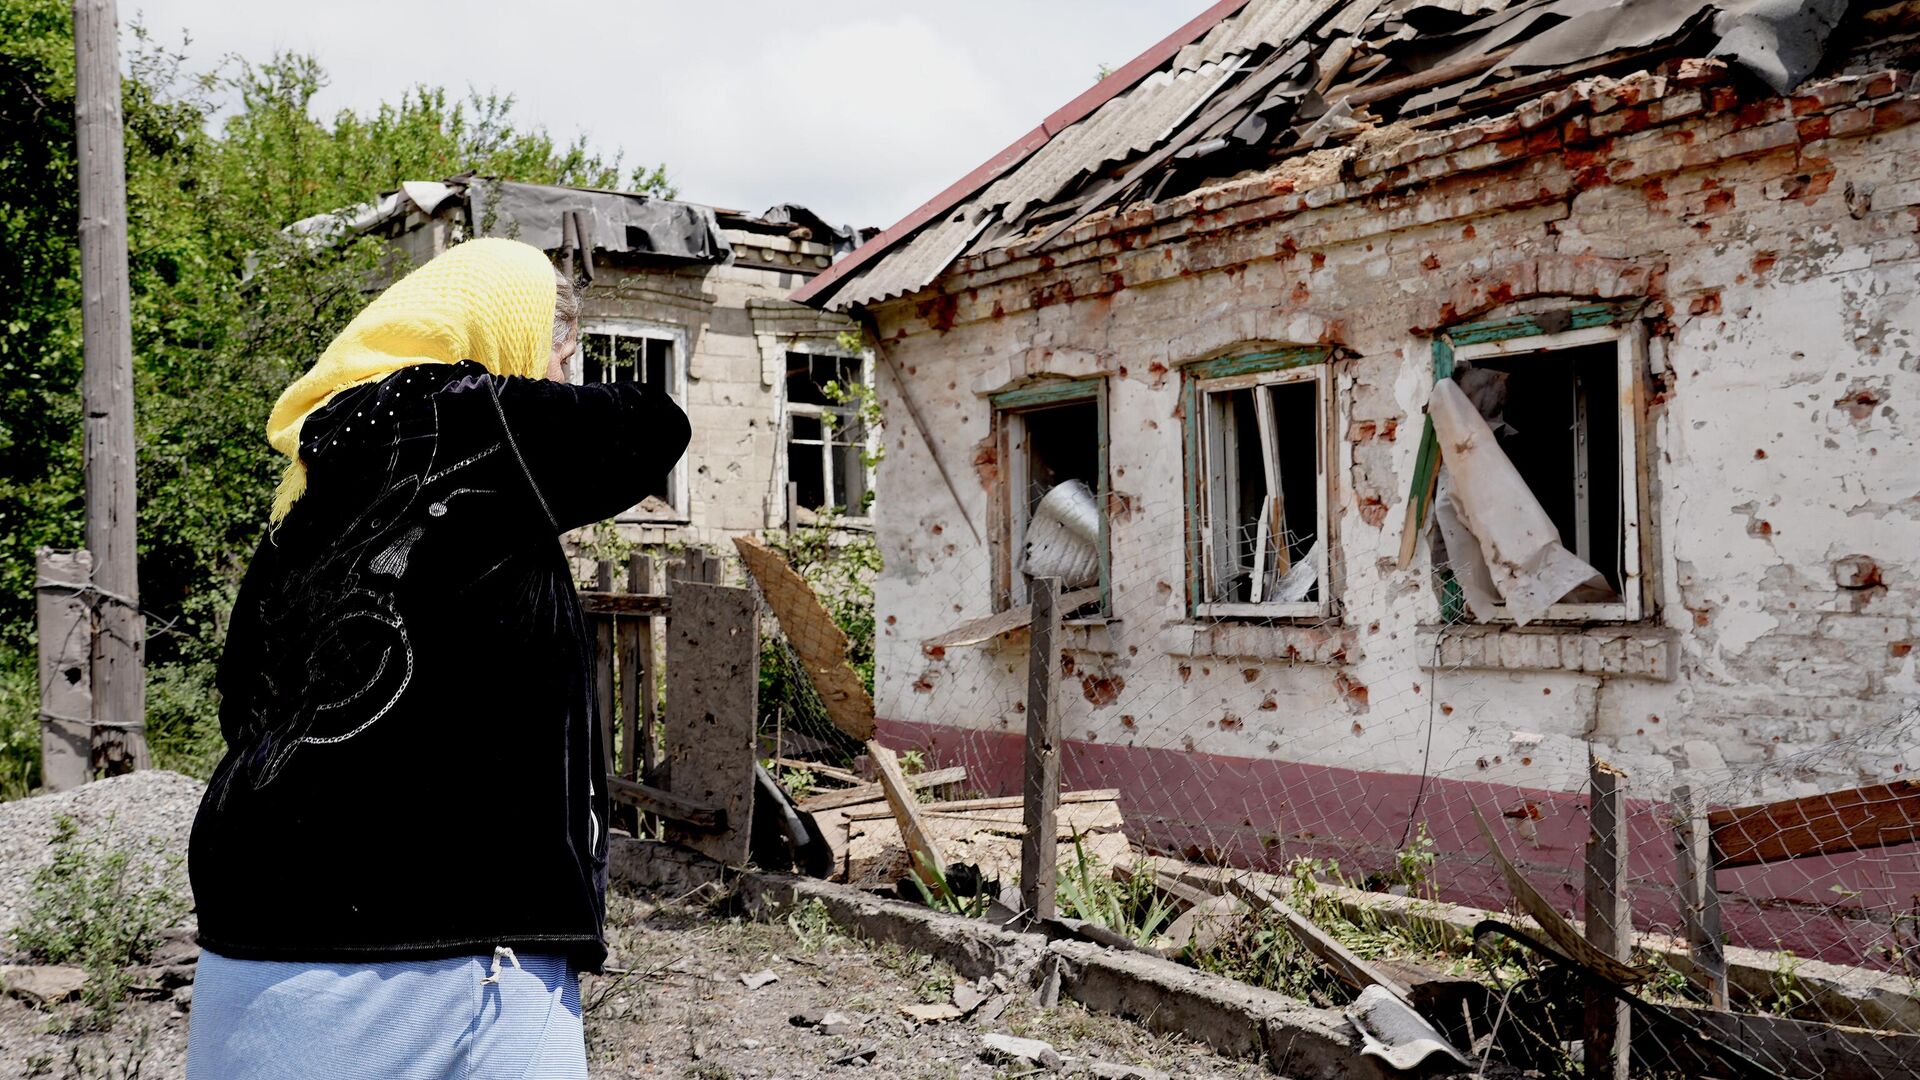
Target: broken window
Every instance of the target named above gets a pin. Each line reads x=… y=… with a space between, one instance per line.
x=826 y=440
x=1544 y=523
x=1260 y=514
x=624 y=353
x=1055 y=440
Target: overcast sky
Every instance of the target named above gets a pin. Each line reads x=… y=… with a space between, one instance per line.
x=861 y=110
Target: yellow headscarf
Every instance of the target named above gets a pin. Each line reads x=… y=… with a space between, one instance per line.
x=490 y=301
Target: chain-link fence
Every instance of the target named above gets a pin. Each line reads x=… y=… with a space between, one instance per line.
x=1311 y=756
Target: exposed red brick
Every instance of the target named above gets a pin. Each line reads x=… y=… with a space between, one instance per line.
x=1102 y=691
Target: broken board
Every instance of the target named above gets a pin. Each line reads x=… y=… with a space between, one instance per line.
x=713 y=676
x=816 y=638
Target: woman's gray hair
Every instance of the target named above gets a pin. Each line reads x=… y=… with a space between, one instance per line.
x=566 y=307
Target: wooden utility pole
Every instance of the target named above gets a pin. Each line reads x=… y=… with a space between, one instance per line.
x=1039 y=849
x=119 y=683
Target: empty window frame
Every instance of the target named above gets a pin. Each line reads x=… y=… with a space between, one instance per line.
x=613 y=351
x=1565 y=409
x=1054 y=440
x=826 y=441
x=1257 y=485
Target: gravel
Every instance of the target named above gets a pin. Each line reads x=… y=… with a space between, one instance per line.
x=141 y=811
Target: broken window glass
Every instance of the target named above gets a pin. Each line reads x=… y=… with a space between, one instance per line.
x=1261 y=513
x=826 y=441
x=1533 y=502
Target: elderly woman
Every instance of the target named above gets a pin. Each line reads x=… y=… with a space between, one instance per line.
x=400 y=864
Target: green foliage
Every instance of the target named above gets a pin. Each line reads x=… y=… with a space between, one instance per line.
x=1132 y=907
x=19 y=725
x=813 y=926
x=226 y=309
x=98 y=906
x=840 y=563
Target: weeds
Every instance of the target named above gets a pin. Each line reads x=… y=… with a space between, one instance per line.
x=98 y=908
x=1132 y=908
x=946 y=898
x=1788 y=994
x=813 y=926
x=932 y=980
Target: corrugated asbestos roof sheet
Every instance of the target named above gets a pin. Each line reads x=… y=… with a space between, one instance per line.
x=1278 y=77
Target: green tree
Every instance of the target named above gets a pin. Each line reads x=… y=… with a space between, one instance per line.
x=226 y=307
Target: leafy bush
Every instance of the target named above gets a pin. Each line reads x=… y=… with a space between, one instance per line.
x=19 y=725
x=102 y=907
x=226 y=310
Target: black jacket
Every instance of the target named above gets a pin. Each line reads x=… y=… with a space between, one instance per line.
x=414 y=758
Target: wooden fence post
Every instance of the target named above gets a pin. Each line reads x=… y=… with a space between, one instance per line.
x=65 y=625
x=713 y=664
x=1609 y=923
x=1041 y=798
x=603 y=664
x=1694 y=862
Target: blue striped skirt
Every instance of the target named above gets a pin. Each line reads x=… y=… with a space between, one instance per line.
x=478 y=1017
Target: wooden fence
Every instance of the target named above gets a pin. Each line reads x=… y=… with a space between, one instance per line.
x=685 y=764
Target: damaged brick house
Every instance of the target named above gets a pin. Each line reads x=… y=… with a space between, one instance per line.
x=694 y=298
x=1424 y=394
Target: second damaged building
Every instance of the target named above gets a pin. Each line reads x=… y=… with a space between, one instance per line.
x=1423 y=398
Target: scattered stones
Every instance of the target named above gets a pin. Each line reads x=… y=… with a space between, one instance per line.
x=967 y=998
x=863 y=1056
x=42 y=984
x=754 y=980
x=183 y=997
x=998 y=1047
x=1113 y=1070
x=931 y=1014
x=833 y=1023
x=990 y=1012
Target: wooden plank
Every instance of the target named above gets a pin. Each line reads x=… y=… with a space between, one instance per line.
x=1699 y=899
x=1609 y=929
x=866 y=793
x=1856 y=819
x=988 y=627
x=827 y=771
x=713 y=667
x=603 y=669
x=1015 y=802
x=64 y=624
x=649 y=686
x=690 y=813
x=595 y=602
x=927 y=863
x=1039 y=849
x=817 y=640
x=1558 y=931
x=626 y=634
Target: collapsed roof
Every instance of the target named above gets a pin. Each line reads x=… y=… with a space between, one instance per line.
x=554 y=218
x=1254 y=81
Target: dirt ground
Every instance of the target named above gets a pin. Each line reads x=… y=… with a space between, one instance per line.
x=680 y=1010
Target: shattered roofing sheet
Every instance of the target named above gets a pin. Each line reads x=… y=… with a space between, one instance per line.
x=1294 y=62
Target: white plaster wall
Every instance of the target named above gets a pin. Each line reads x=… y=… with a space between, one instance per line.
x=1787 y=375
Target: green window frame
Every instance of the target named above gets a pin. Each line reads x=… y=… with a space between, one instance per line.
x=1259 y=370
x=1547 y=332
x=1012 y=410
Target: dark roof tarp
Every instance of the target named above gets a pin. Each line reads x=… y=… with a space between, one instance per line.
x=620 y=223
